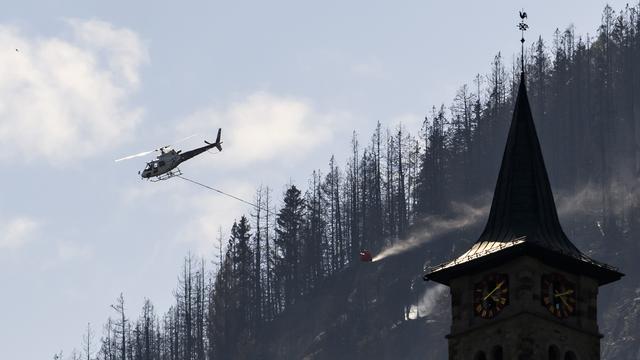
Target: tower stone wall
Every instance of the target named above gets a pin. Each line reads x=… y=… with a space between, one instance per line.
x=525 y=329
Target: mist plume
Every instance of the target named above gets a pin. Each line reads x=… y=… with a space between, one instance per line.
x=463 y=215
x=588 y=199
x=427 y=302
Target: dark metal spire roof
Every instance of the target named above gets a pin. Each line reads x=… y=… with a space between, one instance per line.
x=523 y=216
x=523 y=203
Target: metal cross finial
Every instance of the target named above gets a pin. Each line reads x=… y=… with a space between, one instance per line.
x=523 y=27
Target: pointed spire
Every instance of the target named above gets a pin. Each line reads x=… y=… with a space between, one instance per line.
x=523 y=203
x=523 y=219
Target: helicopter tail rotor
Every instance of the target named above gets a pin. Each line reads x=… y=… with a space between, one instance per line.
x=218 y=143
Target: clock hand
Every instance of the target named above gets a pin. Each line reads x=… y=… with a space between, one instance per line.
x=564 y=301
x=568 y=292
x=562 y=296
x=494 y=290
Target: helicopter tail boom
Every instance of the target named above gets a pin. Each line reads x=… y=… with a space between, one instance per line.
x=191 y=153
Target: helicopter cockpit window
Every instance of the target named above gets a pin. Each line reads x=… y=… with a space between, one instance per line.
x=148 y=167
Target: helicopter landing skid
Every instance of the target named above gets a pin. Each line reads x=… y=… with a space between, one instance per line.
x=167 y=175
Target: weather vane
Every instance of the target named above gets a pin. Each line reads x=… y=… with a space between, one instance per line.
x=523 y=27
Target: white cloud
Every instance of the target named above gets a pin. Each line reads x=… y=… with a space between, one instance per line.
x=372 y=68
x=265 y=127
x=214 y=212
x=196 y=214
x=120 y=47
x=68 y=251
x=145 y=191
x=17 y=232
x=66 y=99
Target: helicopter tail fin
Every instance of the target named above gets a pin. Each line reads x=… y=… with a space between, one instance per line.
x=218 y=143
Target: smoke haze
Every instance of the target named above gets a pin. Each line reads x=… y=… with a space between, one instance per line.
x=464 y=215
x=587 y=200
x=427 y=302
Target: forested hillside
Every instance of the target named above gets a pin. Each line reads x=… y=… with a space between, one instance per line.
x=289 y=284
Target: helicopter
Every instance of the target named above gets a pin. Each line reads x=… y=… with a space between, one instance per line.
x=165 y=166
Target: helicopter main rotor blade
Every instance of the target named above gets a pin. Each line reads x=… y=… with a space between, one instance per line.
x=159 y=149
x=184 y=139
x=136 y=155
x=177 y=142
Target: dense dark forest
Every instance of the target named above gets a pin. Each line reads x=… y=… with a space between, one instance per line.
x=584 y=92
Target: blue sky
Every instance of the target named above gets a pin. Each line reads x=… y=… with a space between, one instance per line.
x=288 y=81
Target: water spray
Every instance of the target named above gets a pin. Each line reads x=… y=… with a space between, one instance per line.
x=466 y=215
x=433 y=226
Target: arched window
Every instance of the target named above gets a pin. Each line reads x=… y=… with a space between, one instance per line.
x=554 y=353
x=496 y=353
x=570 y=355
x=480 y=356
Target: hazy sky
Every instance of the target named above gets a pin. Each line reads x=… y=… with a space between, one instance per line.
x=85 y=82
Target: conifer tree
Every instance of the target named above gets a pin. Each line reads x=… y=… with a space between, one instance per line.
x=287 y=242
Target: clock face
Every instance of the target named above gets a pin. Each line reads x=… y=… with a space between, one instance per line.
x=490 y=295
x=558 y=295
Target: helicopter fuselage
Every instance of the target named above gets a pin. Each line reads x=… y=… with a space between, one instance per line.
x=164 y=163
x=170 y=159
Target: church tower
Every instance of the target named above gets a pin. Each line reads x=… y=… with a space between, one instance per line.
x=523 y=291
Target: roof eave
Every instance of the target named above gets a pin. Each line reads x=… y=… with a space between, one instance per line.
x=603 y=273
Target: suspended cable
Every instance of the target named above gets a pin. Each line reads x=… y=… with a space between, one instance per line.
x=223 y=193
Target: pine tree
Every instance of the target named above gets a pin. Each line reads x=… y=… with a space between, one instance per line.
x=287 y=242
